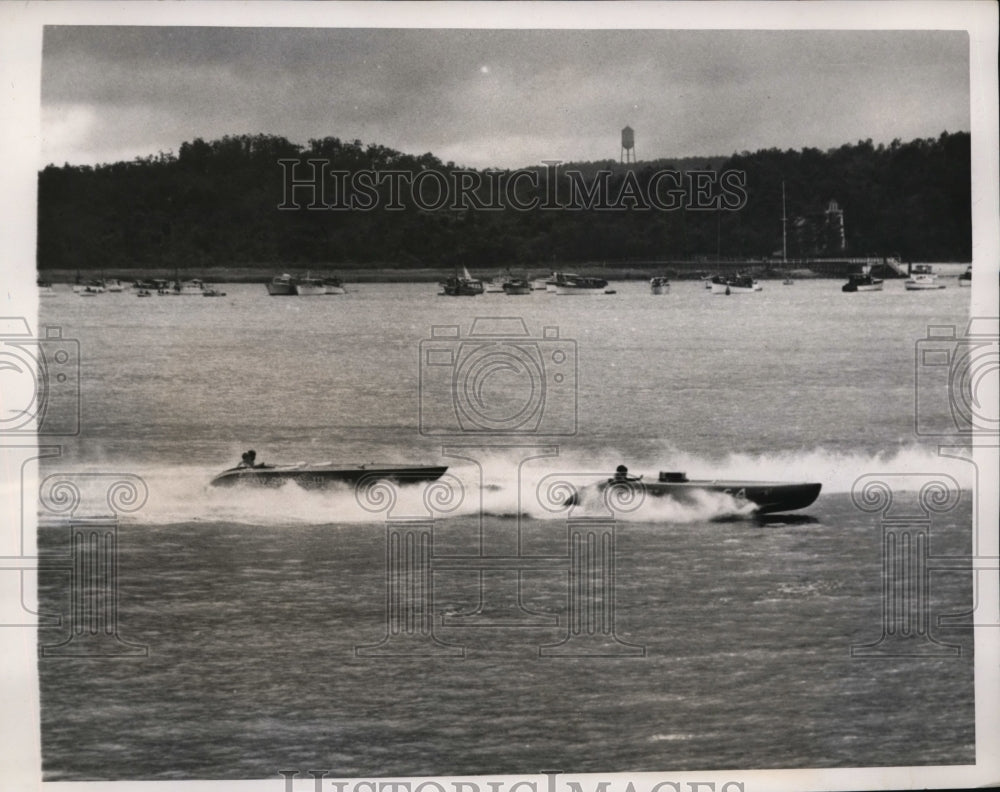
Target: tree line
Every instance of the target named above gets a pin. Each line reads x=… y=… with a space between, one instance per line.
x=216 y=203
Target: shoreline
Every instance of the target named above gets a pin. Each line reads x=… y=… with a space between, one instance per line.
x=264 y=273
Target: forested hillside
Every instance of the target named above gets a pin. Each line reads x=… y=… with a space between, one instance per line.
x=216 y=203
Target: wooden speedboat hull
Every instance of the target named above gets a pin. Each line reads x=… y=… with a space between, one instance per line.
x=767 y=496
x=324 y=475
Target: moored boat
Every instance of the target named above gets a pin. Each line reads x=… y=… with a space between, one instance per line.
x=767 y=497
x=322 y=474
x=861 y=282
x=735 y=284
x=922 y=278
x=515 y=286
x=659 y=285
x=191 y=288
x=569 y=284
x=281 y=285
x=309 y=287
x=464 y=286
x=334 y=286
x=493 y=285
x=90 y=288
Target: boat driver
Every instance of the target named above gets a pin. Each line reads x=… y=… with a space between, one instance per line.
x=249 y=459
x=621 y=474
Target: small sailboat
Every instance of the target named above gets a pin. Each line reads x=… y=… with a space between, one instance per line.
x=465 y=286
x=784 y=239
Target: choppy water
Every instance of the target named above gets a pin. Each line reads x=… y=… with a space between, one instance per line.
x=253 y=604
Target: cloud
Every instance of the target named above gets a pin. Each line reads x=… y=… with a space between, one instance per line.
x=498 y=97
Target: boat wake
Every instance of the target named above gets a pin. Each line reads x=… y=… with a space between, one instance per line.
x=502 y=485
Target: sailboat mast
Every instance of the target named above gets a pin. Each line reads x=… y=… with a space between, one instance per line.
x=784 y=221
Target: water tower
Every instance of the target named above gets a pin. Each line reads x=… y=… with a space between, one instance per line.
x=628 y=144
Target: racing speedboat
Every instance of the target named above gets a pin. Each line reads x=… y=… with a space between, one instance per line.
x=321 y=474
x=767 y=496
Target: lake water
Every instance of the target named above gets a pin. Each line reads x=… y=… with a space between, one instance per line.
x=721 y=641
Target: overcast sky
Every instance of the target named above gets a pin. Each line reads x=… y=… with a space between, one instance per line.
x=504 y=98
